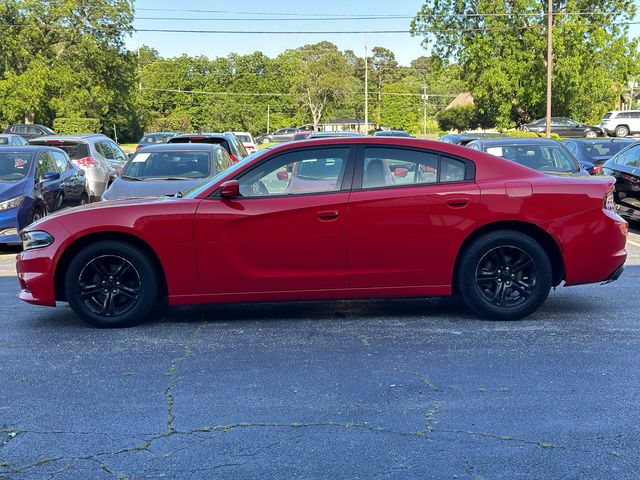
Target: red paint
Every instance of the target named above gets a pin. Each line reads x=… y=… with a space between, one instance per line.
x=384 y=242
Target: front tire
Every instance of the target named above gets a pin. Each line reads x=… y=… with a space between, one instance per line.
x=591 y=134
x=622 y=131
x=111 y=284
x=504 y=275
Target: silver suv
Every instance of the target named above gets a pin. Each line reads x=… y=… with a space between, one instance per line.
x=95 y=153
x=621 y=122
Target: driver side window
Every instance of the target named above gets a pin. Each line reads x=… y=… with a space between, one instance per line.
x=297 y=173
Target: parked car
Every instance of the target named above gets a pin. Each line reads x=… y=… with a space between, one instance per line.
x=279 y=136
x=565 y=127
x=153 y=138
x=226 y=140
x=496 y=232
x=96 y=154
x=316 y=135
x=303 y=135
x=10 y=139
x=544 y=155
x=391 y=133
x=465 y=137
x=166 y=169
x=625 y=168
x=35 y=181
x=29 y=131
x=621 y=123
x=592 y=153
x=247 y=140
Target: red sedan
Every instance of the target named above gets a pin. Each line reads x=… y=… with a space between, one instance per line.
x=453 y=220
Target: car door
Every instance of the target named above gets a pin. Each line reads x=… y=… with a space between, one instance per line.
x=50 y=191
x=625 y=167
x=409 y=218
x=273 y=238
x=70 y=180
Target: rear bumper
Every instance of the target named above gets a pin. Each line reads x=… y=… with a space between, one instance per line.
x=614 y=276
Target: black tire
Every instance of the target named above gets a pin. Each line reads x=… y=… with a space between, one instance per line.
x=622 y=131
x=504 y=275
x=37 y=214
x=84 y=199
x=591 y=134
x=111 y=284
x=265 y=140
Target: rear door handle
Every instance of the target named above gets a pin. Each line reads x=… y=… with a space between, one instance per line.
x=328 y=215
x=458 y=202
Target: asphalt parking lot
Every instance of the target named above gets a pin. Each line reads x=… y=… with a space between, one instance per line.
x=357 y=390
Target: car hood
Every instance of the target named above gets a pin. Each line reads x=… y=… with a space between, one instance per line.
x=10 y=190
x=122 y=189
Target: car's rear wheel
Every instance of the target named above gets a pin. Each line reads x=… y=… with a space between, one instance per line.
x=84 y=199
x=622 y=131
x=111 y=284
x=590 y=134
x=504 y=275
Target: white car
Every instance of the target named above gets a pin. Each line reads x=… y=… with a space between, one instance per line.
x=621 y=122
x=247 y=140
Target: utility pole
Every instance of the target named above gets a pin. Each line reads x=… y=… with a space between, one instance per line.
x=268 y=119
x=549 y=64
x=366 y=88
x=425 y=99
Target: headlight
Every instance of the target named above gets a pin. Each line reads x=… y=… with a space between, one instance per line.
x=36 y=239
x=11 y=203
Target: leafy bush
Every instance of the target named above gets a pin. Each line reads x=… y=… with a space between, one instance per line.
x=462 y=117
x=177 y=123
x=75 y=126
x=523 y=134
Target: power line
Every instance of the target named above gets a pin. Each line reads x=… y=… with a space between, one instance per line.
x=273 y=94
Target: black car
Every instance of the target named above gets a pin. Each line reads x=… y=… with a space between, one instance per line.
x=317 y=135
x=28 y=131
x=166 y=169
x=154 y=138
x=226 y=140
x=565 y=127
x=625 y=167
x=35 y=181
x=592 y=153
x=279 y=136
x=545 y=155
x=391 y=133
x=465 y=137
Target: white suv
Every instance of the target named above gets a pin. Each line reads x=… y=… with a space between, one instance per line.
x=621 y=122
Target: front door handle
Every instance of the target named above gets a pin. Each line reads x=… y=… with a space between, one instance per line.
x=458 y=202
x=328 y=215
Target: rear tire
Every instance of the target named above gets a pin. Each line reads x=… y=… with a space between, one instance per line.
x=111 y=284
x=504 y=275
x=591 y=134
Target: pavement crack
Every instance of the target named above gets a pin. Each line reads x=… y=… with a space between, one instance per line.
x=423 y=379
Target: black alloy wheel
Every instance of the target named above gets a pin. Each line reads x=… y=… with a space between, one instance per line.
x=111 y=284
x=504 y=275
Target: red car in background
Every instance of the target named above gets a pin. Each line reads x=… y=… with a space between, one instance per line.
x=498 y=233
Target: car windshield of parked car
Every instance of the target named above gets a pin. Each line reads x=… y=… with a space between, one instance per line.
x=4 y=140
x=14 y=166
x=603 y=149
x=545 y=158
x=147 y=139
x=183 y=165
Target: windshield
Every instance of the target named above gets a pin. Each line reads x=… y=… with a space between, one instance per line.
x=187 y=165
x=14 y=166
x=545 y=158
x=194 y=192
x=603 y=149
x=147 y=139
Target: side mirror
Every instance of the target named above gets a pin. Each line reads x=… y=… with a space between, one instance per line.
x=400 y=172
x=230 y=189
x=50 y=176
x=283 y=175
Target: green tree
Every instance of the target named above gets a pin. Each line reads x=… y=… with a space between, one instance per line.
x=501 y=48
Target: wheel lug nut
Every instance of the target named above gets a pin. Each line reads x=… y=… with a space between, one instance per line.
x=106 y=291
x=118 y=283
x=115 y=291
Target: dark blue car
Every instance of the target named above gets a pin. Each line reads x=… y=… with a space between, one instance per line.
x=592 y=153
x=33 y=182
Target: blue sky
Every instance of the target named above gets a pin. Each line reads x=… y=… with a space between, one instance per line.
x=405 y=47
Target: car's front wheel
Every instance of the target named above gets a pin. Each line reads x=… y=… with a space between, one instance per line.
x=111 y=284
x=590 y=134
x=504 y=275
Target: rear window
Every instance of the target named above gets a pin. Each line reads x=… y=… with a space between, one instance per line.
x=196 y=139
x=244 y=138
x=147 y=139
x=4 y=140
x=545 y=158
x=185 y=165
x=14 y=166
x=75 y=150
x=603 y=149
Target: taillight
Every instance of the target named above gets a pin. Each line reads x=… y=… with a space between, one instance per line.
x=138 y=147
x=596 y=169
x=86 y=162
x=608 y=203
x=234 y=159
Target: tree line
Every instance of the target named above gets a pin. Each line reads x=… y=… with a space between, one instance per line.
x=67 y=58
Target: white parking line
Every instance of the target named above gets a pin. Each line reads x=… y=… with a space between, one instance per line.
x=633 y=243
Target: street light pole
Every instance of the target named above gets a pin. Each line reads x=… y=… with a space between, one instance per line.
x=366 y=88
x=549 y=65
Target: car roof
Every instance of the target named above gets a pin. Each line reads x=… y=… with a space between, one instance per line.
x=80 y=137
x=173 y=147
x=28 y=148
x=203 y=135
x=600 y=140
x=517 y=141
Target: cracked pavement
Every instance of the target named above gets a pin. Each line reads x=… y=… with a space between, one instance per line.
x=355 y=390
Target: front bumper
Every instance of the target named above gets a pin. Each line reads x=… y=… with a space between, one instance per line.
x=9 y=227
